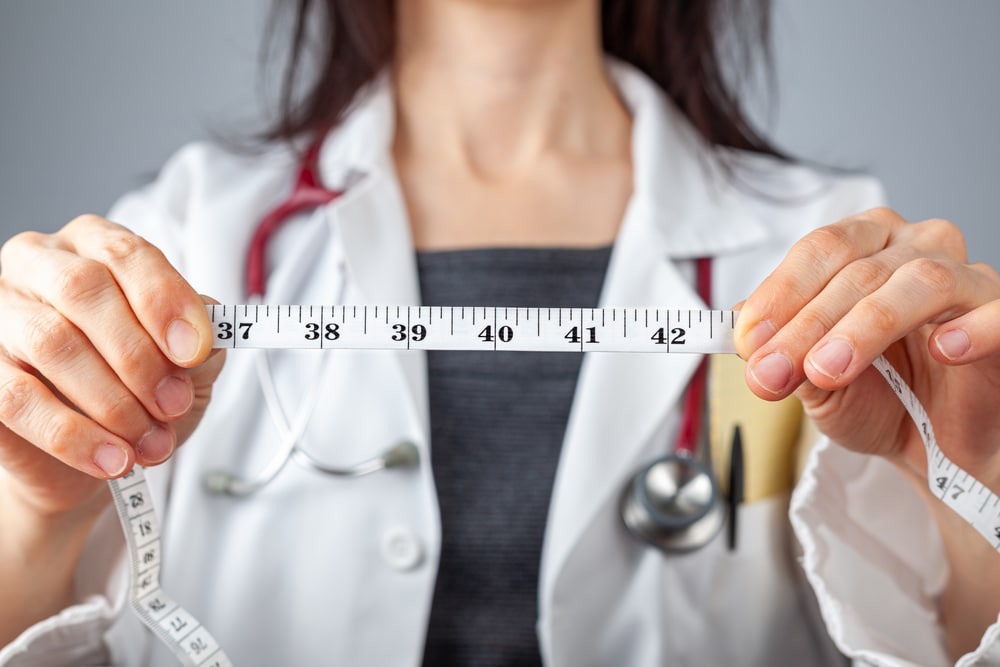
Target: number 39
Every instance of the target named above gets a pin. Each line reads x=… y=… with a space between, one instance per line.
x=418 y=332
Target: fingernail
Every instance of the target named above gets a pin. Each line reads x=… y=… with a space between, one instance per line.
x=833 y=358
x=953 y=344
x=182 y=341
x=773 y=372
x=156 y=446
x=759 y=334
x=112 y=460
x=174 y=396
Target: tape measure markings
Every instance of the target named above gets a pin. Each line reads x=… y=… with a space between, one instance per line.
x=483 y=328
x=961 y=495
x=473 y=328
x=172 y=624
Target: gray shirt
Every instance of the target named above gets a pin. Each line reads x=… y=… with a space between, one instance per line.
x=497 y=425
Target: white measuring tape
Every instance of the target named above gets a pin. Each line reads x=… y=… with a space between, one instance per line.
x=650 y=330
x=170 y=622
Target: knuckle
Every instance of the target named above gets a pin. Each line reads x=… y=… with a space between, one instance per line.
x=941 y=227
x=825 y=246
x=49 y=339
x=120 y=416
x=882 y=215
x=19 y=244
x=23 y=239
x=814 y=322
x=123 y=248
x=15 y=397
x=945 y=235
x=61 y=436
x=127 y=251
x=881 y=218
x=826 y=240
x=986 y=271
x=79 y=280
x=939 y=276
x=135 y=361
x=87 y=220
x=866 y=275
x=878 y=316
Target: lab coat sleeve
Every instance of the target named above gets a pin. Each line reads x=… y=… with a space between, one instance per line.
x=873 y=554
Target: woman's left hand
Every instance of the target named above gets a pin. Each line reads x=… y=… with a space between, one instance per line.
x=872 y=284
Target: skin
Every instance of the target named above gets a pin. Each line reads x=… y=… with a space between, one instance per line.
x=536 y=149
x=533 y=151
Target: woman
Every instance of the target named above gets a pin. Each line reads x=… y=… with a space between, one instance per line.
x=496 y=139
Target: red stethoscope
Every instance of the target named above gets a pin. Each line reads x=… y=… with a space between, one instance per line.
x=673 y=503
x=308 y=193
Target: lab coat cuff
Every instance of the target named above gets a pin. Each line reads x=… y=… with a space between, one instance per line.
x=75 y=636
x=874 y=557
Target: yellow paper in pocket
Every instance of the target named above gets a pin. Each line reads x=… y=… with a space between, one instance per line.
x=770 y=431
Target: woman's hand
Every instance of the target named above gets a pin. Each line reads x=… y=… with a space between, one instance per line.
x=869 y=284
x=104 y=362
x=873 y=283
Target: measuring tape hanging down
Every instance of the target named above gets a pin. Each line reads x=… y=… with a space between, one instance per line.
x=956 y=488
x=650 y=330
x=171 y=623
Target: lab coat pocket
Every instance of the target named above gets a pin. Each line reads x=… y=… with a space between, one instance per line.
x=770 y=433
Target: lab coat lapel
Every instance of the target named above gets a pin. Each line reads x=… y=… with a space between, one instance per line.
x=620 y=398
x=682 y=207
x=371 y=221
x=381 y=265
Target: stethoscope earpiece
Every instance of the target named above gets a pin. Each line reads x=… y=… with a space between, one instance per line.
x=673 y=504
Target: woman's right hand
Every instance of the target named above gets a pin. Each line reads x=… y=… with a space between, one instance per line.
x=105 y=361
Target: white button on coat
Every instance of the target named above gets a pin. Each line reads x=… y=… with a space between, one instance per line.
x=401 y=549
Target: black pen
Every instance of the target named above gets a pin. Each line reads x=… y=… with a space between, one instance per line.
x=735 y=486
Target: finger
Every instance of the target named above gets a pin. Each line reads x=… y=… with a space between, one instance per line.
x=806 y=270
x=922 y=291
x=37 y=337
x=775 y=368
x=203 y=377
x=84 y=292
x=31 y=411
x=970 y=337
x=163 y=302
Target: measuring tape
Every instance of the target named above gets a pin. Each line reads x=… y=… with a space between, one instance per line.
x=171 y=623
x=647 y=330
x=474 y=328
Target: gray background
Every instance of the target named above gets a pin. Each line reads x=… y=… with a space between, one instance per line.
x=95 y=95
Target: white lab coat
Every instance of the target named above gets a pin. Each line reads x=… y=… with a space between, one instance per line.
x=320 y=571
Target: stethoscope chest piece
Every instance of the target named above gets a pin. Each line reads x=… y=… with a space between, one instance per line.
x=674 y=504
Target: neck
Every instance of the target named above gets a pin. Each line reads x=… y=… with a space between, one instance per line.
x=495 y=85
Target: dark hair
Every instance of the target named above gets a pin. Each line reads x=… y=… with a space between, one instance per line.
x=685 y=46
